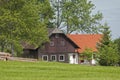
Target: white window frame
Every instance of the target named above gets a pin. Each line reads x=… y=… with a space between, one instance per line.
x=43 y=57
x=55 y=57
x=63 y=57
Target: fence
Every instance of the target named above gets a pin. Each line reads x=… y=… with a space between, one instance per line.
x=21 y=59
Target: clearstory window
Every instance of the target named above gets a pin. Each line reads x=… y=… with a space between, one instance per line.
x=61 y=57
x=45 y=57
x=53 y=57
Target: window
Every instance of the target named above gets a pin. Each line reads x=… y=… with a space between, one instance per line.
x=45 y=57
x=53 y=57
x=62 y=43
x=57 y=36
x=51 y=43
x=61 y=58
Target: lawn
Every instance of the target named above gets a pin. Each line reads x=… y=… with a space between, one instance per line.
x=11 y=70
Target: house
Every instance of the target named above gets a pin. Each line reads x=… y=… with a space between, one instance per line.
x=29 y=51
x=86 y=41
x=62 y=47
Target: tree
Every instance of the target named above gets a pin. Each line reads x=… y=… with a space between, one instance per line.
x=57 y=6
x=3 y=42
x=20 y=21
x=76 y=16
x=88 y=53
x=117 y=41
x=108 y=53
x=46 y=12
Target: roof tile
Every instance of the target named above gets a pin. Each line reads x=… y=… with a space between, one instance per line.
x=85 y=41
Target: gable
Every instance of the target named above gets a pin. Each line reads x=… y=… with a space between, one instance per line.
x=54 y=31
x=62 y=36
x=59 y=43
x=26 y=45
x=85 y=41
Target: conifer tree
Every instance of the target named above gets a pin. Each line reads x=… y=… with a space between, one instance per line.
x=108 y=53
x=117 y=42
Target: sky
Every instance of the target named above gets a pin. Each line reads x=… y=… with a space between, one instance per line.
x=111 y=14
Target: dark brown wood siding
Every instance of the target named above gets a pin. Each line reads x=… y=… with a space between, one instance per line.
x=58 y=45
x=62 y=46
x=28 y=53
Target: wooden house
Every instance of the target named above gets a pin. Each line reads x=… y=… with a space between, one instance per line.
x=29 y=51
x=60 y=48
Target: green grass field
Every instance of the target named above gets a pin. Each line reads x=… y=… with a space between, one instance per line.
x=11 y=70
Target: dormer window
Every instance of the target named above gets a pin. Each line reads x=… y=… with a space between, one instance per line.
x=57 y=36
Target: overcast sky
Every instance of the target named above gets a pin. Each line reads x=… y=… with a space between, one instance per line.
x=111 y=14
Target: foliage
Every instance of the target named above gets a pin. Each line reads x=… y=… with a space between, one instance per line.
x=88 y=54
x=20 y=21
x=12 y=70
x=108 y=53
x=46 y=12
x=77 y=16
x=57 y=7
x=117 y=41
x=3 y=42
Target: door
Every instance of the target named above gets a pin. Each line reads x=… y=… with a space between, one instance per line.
x=73 y=58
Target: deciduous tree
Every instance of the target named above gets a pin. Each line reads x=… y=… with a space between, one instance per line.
x=46 y=12
x=20 y=21
x=77 y=16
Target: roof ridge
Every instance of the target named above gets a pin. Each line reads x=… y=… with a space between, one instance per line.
x=84 y=34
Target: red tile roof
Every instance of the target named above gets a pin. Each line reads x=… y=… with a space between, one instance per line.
x=85 y=41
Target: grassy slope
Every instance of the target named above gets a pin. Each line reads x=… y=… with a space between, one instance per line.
x=55 y=71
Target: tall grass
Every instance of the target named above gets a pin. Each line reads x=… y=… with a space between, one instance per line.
x=11 y=70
